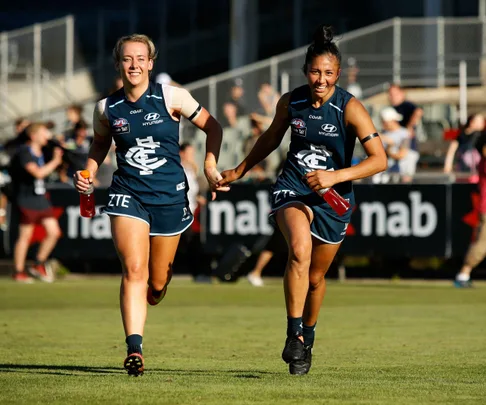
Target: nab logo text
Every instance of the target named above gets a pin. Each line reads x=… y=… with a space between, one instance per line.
x=242 y=218
x=397 y=218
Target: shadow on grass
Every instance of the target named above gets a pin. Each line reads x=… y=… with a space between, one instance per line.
x=79 y=370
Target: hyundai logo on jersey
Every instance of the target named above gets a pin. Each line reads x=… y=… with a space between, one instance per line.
x=121 y=125
x=151 y=116
x=298 y=127
x=328 y=130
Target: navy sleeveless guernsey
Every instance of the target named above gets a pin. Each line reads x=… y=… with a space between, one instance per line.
x=147 y=148
x=319 y=141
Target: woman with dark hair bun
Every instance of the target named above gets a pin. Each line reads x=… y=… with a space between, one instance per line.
x=324 y=120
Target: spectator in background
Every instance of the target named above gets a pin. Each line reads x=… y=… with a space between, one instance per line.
x=268 y=98
x=74 y=114
x=410 y=112
x=10 y=148
x=77 y=149
x=477 y=250
x=235 y=106
x=19 y=138
x=395 y=138
x=464 y=145
x=353 y=86
x=257 y=172
x=28 y=171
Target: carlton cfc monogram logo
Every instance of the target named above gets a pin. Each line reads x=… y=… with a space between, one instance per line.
x=138 y=156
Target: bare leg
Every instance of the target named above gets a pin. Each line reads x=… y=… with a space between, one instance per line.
x=322 y=256
x=294 y=222
x=475 y=254
x=53 y=233
x=22 y=246
x=131 y=238
x=162 y=253
x=263 y=259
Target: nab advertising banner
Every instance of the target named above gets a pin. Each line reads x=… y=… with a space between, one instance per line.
x=400 y=220
x=388 y=220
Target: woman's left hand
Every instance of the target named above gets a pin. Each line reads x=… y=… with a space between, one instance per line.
x=213 y=177
x=320 y=179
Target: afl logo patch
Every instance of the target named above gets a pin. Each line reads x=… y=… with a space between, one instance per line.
x=119 y=122
x=298 y=126
x=121 y=126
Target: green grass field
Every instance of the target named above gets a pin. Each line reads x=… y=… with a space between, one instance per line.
x=220 y=344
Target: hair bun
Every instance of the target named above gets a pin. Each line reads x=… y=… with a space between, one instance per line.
x=323 y=35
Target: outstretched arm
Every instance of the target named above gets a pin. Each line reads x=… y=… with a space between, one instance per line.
x=266 y=143
x=185 y=105
x=449 y=160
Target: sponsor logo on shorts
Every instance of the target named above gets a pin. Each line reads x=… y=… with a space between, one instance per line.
x=186 y=215
x=181 y=186
x=119 y=200
x=280 y=195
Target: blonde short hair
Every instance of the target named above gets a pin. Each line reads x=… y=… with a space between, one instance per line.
x=144 y=39
x=34 y=127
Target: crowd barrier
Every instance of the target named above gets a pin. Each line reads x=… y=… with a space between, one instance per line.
x=394 y=220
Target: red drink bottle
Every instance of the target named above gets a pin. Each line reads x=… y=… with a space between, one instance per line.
x=86 y=199
x=334 y=199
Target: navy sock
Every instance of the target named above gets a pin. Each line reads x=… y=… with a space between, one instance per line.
x=134 y=344
x=309 y=333
x=294 y=326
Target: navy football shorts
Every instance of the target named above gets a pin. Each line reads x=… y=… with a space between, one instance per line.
x=324 y=227
x=163 y=220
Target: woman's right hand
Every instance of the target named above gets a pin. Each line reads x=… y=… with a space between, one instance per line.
x=228 y=177
x=80 y=183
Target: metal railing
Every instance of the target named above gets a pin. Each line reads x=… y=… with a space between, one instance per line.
x=407 y=51
x=29 y=58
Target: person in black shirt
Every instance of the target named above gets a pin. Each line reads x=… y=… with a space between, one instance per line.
x=410 y=112
x=464 y=146
x=28 y=171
